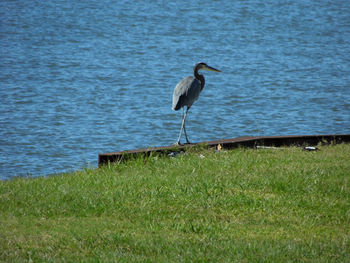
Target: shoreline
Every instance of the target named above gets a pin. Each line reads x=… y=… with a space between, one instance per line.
x=247 y=141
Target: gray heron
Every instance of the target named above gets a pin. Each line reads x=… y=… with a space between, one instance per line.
x=187 y=92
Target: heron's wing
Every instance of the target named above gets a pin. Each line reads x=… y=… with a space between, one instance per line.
x=186 y=92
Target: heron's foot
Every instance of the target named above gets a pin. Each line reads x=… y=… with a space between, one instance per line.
x=188 y=143
x=178 y=143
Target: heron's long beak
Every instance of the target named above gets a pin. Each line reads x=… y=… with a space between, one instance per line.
x=211 y=69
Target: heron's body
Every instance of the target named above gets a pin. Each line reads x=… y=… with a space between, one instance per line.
x=187 y=92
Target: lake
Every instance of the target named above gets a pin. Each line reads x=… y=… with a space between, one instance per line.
x=79 y=78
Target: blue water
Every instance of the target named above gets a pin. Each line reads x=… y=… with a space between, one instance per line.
x=79 y=78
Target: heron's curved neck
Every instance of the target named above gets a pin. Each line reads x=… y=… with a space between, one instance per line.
x=199 y=77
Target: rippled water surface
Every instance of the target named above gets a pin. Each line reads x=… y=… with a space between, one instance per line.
x=80 y=78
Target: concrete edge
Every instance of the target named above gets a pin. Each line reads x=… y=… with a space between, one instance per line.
x=250 y=141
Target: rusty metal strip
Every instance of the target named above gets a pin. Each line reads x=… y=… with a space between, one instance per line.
x=251 y=141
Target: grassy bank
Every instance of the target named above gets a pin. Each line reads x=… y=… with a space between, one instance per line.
x=276 y=205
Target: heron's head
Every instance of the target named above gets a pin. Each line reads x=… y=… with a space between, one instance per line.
x=204 y=66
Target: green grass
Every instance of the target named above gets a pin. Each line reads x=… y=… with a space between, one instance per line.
x=276 y=205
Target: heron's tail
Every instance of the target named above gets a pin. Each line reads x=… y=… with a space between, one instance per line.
x=176 y=103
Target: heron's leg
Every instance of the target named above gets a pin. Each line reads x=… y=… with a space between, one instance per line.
x=187 y=141
x=182 y=126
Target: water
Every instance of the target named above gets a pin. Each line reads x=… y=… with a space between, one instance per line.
x=79 y=78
